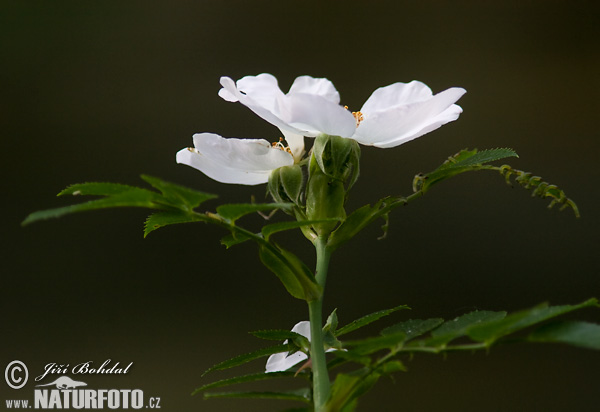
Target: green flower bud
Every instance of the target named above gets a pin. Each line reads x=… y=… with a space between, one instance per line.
x=325 y=197
x=286 y=183
x=338 y=158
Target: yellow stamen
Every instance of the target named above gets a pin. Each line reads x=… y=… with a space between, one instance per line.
x=281 y=146
x=357 y=115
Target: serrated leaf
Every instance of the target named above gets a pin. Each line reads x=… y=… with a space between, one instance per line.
x=514 y=322
x=134 y=197
x=161 y=219
x=302 y=395
x=371 y=345
x=353 y=224
x=462 y=162
x=413 y=328
x=367 y=319
x=582 y=334
x=460 y=325
x=291 y=271
x=177 y=195
x=245 y=358
x=234 y=211
x=273 y=228
x=247 y=378
x=278 y=334
x=96 y=189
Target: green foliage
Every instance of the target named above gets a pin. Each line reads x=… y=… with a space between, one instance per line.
x=539 y=188
x=247 y=357
x=171 y=198
x=367 y=319
x=233 y=212
x=382 y=354
x=461 y=162
x=291 y=271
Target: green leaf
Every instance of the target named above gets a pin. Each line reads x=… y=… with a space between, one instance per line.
x=161 y=219
x=134 y=197
x=269 y=230
x=582 y=334
x=348 y=387
x=463 y=161
x=96 y=189
x=514 y=322
x=245 y=358
x=367 y=319
x=248 y=378
x=291 y=271
x=234 y=211
x=392 y=366
x=459 y=326
x=413 y=328
x=280 y=334
x=371 y=345
x=302 y=395
x=233 y=239
x=179 y=196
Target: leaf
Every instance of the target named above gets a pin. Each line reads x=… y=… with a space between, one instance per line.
x=291 y=271
x=273 y=228
x=179 y=196
x=463 y=161
x=367 y=319
x=97 y=189
x=413 y=328
x=459 y=326
x=134 y=197
x=233 y=239
x=371 y=345
x=247 y=378
x=245 y=358
x=582 y=334
x=234 y=211
x=161 y=219
x=280 y=334
x=302 y=395
x=514 y=322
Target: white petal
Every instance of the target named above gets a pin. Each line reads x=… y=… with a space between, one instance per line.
x=397 y=94
x=302 y=328
x=240 y=161
x=280 y=362
x=314 y=115
x=295 y=143
x=400 y=124
x=261 y=95
x=320 y=87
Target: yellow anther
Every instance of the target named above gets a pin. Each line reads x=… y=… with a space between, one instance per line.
x=281 y=146
x=357 y=115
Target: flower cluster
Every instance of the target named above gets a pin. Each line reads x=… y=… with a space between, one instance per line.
x=392 y=115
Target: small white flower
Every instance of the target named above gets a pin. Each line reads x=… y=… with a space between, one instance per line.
x=279 y=362
x=393 y=115
x=240 y=161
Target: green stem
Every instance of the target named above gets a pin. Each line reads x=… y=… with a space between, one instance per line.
x=321 y=383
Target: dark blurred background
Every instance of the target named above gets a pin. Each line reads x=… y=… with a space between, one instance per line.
x=105 y=91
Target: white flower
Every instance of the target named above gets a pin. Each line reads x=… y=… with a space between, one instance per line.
x=392 y=115
x=282 y=361
x=241 y=161
x=279 y=362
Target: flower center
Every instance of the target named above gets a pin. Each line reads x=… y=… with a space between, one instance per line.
x=357 y=115
x=281 y=146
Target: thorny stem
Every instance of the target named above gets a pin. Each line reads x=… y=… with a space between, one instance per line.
x=321 y=385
